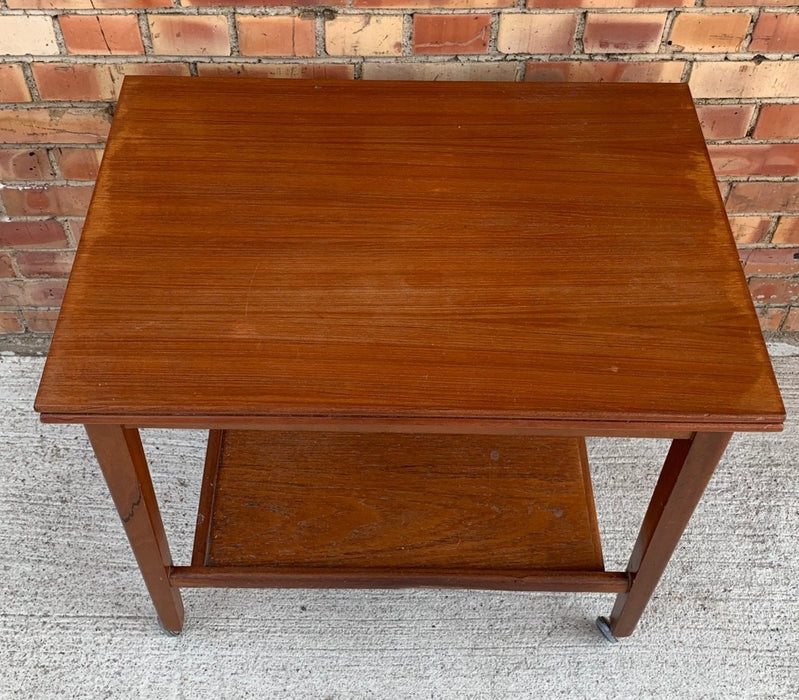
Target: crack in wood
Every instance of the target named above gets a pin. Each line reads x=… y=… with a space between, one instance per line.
x=126 y=518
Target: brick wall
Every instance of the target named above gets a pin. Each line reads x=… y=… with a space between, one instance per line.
x=62 y=62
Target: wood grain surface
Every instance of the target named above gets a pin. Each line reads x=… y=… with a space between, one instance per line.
x=297 y=249
x=413 y=502
x=276 y=576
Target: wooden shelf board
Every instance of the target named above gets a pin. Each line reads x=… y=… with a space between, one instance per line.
x=396 y=502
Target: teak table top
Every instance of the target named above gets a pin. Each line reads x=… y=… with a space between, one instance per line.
x=465 y=255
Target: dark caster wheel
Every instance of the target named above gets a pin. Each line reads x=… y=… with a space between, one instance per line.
x=603 y=625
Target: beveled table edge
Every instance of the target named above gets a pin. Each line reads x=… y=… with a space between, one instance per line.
x=677 y=427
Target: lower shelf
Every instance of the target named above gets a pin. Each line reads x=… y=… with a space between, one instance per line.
x=392 y=508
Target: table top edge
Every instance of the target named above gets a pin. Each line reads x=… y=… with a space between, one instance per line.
x=434 y=424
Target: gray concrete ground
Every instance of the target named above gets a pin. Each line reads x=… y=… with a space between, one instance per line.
x=75 y=620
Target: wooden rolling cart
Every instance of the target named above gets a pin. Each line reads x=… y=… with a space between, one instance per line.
x=399 y=308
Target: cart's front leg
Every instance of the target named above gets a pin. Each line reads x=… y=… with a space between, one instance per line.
x=121 y=456
x=686 y=472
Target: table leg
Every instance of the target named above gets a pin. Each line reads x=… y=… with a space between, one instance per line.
x=689 y=465
x=121 y=456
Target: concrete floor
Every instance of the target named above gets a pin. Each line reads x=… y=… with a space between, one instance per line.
x=75 y=620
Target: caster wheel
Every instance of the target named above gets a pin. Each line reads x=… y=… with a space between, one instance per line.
x=603 y=625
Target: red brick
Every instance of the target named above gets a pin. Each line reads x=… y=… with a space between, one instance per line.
x=94 y=82
x=441 y=70
x=787 y=231
x=540 y=33
x=45 y=263
x=792 y=320
x=755 y=159
x=32 y=234
x=451 y=34
x=6 y=266
x=770 y=317
x=709 y=32
x=24 y=164
x=129 y=4
x=86 y=4
x=190 y=35
x=315 y=71
x=776 y=32
x=166 y=68
x=78 y=163
x=428 y=4
x=774 y=290
x=32 y=292
x=605 y=71
x=40 y=320
x=13 y=87
x=32 y=34
x=276 y=36
x=749 y=3
x=364 y=35
x=603 y=4
x=108 y=35
x=768 y=261
x=49 y=4
x=75 y=228
x=745 y=79
x=777 y=122
x=763 y=197
x=743 y=255
x=725 y=121
x=9 y=322
x=262 y=3
x=614 y=33
x=57 y=200
x=749 y=229
x=81 y=81
x=68 y=125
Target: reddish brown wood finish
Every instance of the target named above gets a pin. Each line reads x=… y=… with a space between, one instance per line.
x=205 y=507
x=272 y=250
x=305 y=577
x=387 y=501
x=431 y=426
x=687 y=471
x=495 y=259
x=121 y=457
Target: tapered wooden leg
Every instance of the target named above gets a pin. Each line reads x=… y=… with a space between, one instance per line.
x=121 y=457
x=687 y=471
